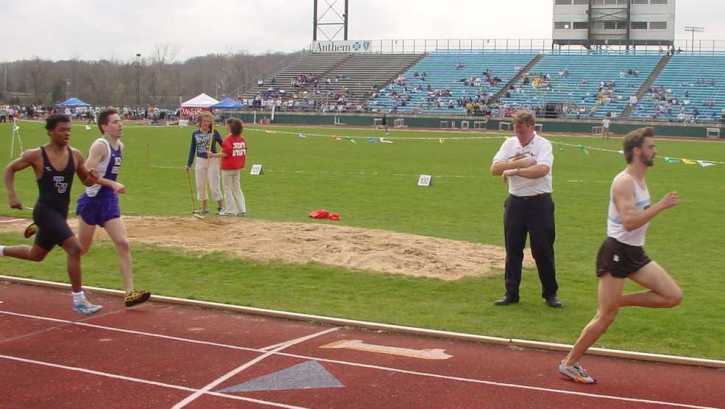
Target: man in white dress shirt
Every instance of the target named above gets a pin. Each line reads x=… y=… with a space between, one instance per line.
x=526 y=160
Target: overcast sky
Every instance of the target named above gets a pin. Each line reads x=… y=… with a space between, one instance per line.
x=93 y=29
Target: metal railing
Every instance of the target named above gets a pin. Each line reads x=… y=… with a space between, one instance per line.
x=421 y=46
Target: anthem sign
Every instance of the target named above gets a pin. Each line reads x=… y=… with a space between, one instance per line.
x=341 y=46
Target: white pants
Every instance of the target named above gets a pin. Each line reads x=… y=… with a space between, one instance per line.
x=233 y=196
x=207 y=174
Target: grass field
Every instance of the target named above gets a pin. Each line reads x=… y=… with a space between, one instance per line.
x=373 y=185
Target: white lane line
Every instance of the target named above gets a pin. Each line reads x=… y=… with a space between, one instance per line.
x=247 y=365
x=13 y=220
x=381 y=368
x=493 y=383
x=144 y=381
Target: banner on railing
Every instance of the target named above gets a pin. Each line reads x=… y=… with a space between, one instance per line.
x=341 y=46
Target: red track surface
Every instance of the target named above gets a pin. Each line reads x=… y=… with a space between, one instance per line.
x=158 y=355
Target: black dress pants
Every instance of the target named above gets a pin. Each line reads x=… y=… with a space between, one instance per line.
x=532 y=215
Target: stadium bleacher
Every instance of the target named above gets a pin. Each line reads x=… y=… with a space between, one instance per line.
x=583 y=85
x=589 y=85
x=442 y=81
x=334 y=78
x=691 y=88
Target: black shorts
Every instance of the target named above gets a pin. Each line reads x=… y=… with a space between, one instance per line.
x=52 y=226
x=619 y=259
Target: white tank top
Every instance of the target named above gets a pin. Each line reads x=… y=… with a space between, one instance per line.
x=615 y=228
x=92 y=191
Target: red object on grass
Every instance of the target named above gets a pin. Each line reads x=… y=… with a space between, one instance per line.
x=319 y=214
x=324 y=214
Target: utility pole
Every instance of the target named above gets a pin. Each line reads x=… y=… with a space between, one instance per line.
x=693 y=30
x=138 y=79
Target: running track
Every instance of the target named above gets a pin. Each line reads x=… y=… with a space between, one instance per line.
x=160 y=355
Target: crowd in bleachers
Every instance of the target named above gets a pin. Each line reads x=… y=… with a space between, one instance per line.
x=582 y=86
x=689 y=89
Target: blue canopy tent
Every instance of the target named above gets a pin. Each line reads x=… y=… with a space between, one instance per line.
x=227 y=103
x=73 y=103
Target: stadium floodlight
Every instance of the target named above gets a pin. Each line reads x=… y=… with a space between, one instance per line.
x=693 y=30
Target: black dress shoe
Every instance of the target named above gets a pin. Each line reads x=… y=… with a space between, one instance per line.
x=506 y=300
x=554 y=302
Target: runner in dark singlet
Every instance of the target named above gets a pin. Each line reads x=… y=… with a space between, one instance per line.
x=54 y=165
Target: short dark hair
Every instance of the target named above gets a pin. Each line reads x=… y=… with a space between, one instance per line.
x=635 y=139
x=235 y=126
x=52 y=121
x=103 y=117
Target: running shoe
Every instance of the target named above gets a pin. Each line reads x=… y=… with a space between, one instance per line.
x=576 y=373
x=86 y=308
x=136 y=297
x=30 y=230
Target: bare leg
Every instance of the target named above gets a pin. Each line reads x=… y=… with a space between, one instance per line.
x=73 y=248
x=663 y=291
x=35 y=253
x=117 y=231
x=610 y=293
x=85 y=235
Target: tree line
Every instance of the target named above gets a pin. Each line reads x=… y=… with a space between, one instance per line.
x=156 y=80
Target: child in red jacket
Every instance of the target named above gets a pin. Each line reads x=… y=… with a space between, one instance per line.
x=234 y=154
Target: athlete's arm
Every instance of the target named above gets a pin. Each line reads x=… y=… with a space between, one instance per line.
x=28 y=158
x=192 y=152
x=625 y=201
x=96 y=154
x=87 y=177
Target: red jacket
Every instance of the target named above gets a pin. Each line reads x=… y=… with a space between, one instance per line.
x=234 y=149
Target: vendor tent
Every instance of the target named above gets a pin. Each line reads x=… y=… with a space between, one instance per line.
x=200 y=101
x=227 y=103
x=73 y=103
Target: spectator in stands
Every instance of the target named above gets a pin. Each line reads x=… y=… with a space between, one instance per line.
x=525 y=161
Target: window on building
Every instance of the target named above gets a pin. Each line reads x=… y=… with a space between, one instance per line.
x=615 y=25
x=622 y=2
x=639 y=25
x=581 y=25
x=608 y=2
x=659 y=1
x=658 y=25
x=562 y=25
x=581 y=2
x=562 y=2
x=597 y=2
x=640 y=1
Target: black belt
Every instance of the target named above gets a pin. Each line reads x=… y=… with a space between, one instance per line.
x=533 y=197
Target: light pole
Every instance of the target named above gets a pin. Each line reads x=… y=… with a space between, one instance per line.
x=693 y=30
x=138 y=79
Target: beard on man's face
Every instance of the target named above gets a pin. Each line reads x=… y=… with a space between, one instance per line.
x=649 y=161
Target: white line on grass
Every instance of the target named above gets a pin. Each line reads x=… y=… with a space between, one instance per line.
x=381 y=368
x=247 y=365
x=144 y=381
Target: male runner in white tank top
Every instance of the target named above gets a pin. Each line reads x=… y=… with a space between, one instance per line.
x=622 y=253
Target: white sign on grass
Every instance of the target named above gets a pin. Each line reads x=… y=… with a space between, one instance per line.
x=256 y=169
x=425 y=180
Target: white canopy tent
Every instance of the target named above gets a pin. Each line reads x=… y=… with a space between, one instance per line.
x=200 y=101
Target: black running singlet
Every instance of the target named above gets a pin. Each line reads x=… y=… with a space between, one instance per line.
x=54 y=186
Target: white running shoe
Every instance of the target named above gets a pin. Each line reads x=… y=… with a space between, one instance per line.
x=576 y=373
x=86 y=308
